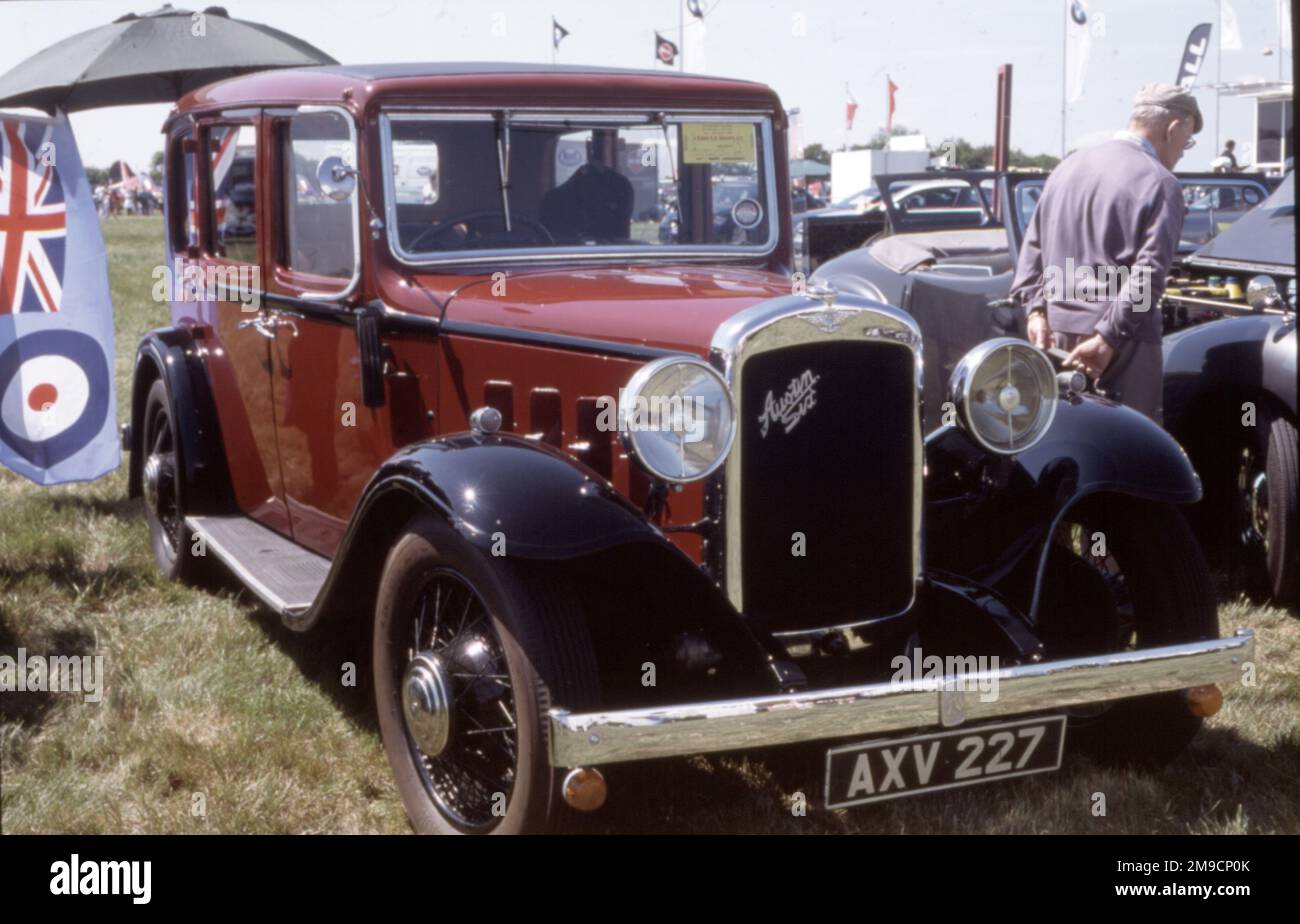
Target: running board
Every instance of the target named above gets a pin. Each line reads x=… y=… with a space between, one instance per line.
x=282 y=573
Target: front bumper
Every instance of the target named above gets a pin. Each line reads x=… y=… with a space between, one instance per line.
x=587 y=739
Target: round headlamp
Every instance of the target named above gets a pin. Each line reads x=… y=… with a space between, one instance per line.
x=1005 y=393
x=677 y=419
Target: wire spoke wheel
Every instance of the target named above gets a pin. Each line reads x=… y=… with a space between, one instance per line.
x=1125 y=575
x=159 y=477
x=468 y=764
x=1096 y=574
x=470 y=654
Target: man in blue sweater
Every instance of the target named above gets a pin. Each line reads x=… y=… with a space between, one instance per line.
x=1100 y=244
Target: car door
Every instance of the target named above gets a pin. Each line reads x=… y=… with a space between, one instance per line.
x=230 y=211
x=330 y=441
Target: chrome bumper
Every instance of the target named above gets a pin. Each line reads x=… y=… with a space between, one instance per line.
x=587 y=739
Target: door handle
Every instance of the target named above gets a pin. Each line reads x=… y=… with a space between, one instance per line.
x=277 y=321
x=258 y=324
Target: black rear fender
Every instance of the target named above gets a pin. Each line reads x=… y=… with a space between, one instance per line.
x=173 y=355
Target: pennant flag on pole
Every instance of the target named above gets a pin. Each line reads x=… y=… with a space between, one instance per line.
x=1078 y=46
x=850 y=109
x=557 y=33
x=57 y=407
x=1229 y=31
x=889 y=119
x=1198 y=42
x=665 y=50
x=694 y=32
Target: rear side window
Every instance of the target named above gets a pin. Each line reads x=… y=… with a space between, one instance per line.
x=232 y=152
x=317 y=228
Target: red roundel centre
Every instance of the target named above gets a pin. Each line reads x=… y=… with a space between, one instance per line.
x=42 y=397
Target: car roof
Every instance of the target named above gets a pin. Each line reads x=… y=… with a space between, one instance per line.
x=525 y=84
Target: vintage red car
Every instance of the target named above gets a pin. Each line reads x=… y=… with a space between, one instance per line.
x=607 y=495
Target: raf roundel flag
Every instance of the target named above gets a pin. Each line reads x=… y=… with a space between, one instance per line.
x=57 y=406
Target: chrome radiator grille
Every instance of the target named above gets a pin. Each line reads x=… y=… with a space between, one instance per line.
x=822 y=493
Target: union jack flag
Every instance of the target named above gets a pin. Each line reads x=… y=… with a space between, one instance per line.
x=33 y=220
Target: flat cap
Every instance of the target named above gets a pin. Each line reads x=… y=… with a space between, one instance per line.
x=1177 y=100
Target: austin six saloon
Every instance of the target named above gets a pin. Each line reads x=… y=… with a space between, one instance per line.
x=602 y=495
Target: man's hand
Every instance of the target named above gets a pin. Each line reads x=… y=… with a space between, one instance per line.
x=1040 y=333
x=1092 y=356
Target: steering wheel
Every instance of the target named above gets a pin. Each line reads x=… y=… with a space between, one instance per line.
x=466 y=229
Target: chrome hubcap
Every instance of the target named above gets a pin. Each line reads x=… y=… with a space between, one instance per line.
x=151 y=475
x=426 y=704
x=1259 y=507
x=1252 y=489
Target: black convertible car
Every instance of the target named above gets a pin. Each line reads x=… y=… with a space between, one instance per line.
x=1230 y=341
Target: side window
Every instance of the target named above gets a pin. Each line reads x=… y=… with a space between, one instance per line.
x=232 y=150
x=318 y=228
x=183 y=198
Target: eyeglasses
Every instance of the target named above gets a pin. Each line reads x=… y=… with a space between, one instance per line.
x=1191 y=143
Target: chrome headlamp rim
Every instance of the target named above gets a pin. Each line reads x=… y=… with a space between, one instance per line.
x=963 y=376
x=639 y=380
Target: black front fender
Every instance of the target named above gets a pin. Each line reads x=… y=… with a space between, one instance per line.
x=1239 y=357
x=989 y=518
x=1097 y=445
x=511 y=496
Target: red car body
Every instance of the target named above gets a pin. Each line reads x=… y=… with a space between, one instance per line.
x=304 y=481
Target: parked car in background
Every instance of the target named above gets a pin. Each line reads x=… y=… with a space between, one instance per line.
x=1214 y=202
x=1230 y=389
x=840 y=226
x=929 y=199
x=801 y=200
x=599 y=497
x=955 y=281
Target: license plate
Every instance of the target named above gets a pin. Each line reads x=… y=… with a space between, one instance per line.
x=874 y=771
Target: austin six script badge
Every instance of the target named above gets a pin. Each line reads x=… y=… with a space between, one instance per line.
x=800 y=397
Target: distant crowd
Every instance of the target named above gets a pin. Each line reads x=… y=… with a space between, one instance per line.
x=113 y=201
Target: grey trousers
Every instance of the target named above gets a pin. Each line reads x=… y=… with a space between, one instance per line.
x=1135 y=377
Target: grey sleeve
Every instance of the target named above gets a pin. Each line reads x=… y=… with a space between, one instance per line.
x=1027 y=287
x=1157 y=244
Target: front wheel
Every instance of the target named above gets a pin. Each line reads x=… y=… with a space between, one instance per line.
x=470 y=652
x=1125 y=574
x=1279 y=506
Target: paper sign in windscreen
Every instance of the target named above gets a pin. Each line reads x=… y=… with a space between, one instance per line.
x=718 y=143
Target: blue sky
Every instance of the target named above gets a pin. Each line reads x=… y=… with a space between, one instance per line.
x=943 y=55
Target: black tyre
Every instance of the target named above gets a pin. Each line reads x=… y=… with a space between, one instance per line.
x=470 y=651
x=1280 y=503
x=1238 y=506
x=170 y=538
x=1126 y=574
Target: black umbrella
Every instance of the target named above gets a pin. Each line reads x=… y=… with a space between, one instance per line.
x=153 y=57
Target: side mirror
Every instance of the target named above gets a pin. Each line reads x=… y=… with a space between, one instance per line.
x=336 y=179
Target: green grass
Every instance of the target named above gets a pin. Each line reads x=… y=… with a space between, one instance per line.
x=207 y=694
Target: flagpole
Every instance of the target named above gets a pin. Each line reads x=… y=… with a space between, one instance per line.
x=1279 y=40
x=1218 y=78
x=1064 y=59
x=681 y=34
